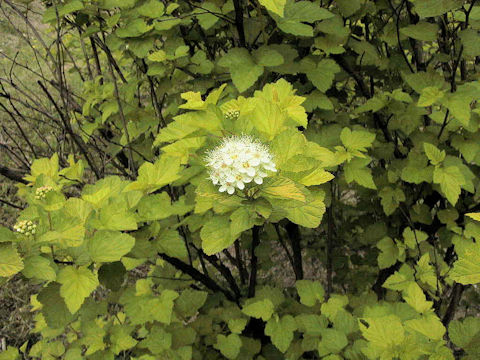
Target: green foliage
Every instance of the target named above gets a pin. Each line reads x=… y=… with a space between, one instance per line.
x=309 y=292
x=77 y=284
x=281 y=331
x=10 y=261
x=229 y=345
x=359 y=244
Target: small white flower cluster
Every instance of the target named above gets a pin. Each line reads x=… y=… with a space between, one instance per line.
x=42 y=191
x=232 y=114
x=25 y=227
x=239 y=161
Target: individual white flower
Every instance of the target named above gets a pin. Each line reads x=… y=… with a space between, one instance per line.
x=228 y=187
x=237 y=161
x=247 y=168
x=270 y=166
x=258 y=180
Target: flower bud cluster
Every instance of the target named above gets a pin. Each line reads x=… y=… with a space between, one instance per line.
x=25 y=227
x=42 y=191
x=232 y=114
x=239 y=161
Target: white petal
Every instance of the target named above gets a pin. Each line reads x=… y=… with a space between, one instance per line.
x=240 y=185
x=270 y=167
x=251 y=172
x=254 y=162
x=223 y=188
x=246 y=180
x=258 y=180
x=230 y=190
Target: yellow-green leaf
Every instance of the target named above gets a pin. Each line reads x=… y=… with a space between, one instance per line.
x=154 y=176
x=39 y=267
x=283 y=188
x=474 y=216
x=216 y=235
x=158 y=56
x=415 y=297
x=466 y=270
x=229 y=345
x=275 y=6
x=281 y=331
x=434 y=154
x=109 y=246
x=262 y=309
x=10 y=261
x=310 y=292
x=77 y=284
x=317 y=177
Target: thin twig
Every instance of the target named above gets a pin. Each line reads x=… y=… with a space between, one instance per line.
x=253 y=261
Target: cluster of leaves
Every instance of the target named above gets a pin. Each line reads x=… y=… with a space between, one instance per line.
x=370 y=111
x=116 y=225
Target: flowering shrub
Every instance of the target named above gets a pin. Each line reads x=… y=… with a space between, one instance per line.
x=277 y=180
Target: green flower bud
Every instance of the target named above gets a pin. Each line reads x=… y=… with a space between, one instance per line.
x=42 y=192
x=232 y=114
x=25 y=227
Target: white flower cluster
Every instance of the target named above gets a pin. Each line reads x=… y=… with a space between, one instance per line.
x=25 y=227
x=232 y=114
x=239 y=161
x=42 y=191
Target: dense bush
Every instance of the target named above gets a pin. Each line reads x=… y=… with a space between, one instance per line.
x=253 y=180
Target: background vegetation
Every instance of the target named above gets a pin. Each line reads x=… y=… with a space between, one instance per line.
x=364 y=244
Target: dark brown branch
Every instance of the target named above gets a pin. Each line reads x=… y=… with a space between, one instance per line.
x=34 y=30
x=131 y=164
x=455 y=297
x=19 y=127
x=23 y=159
x=253 y=261
x=383 y=275
x=340 y=60
x=196 y=275
x=225 y=271
x=241 y=268
x=157 y=106
x=330 y=231
x=381 y=124
x=11 y=204
x=444 y=124
x=397 y=25
x=111 y=59
x=294 y=236
x=239 y=22
x=284 y=246
x=98 y=67
x=68 y=128
x=206 y=11
x=85 y=55
x=72 y=59
x=15 y=175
